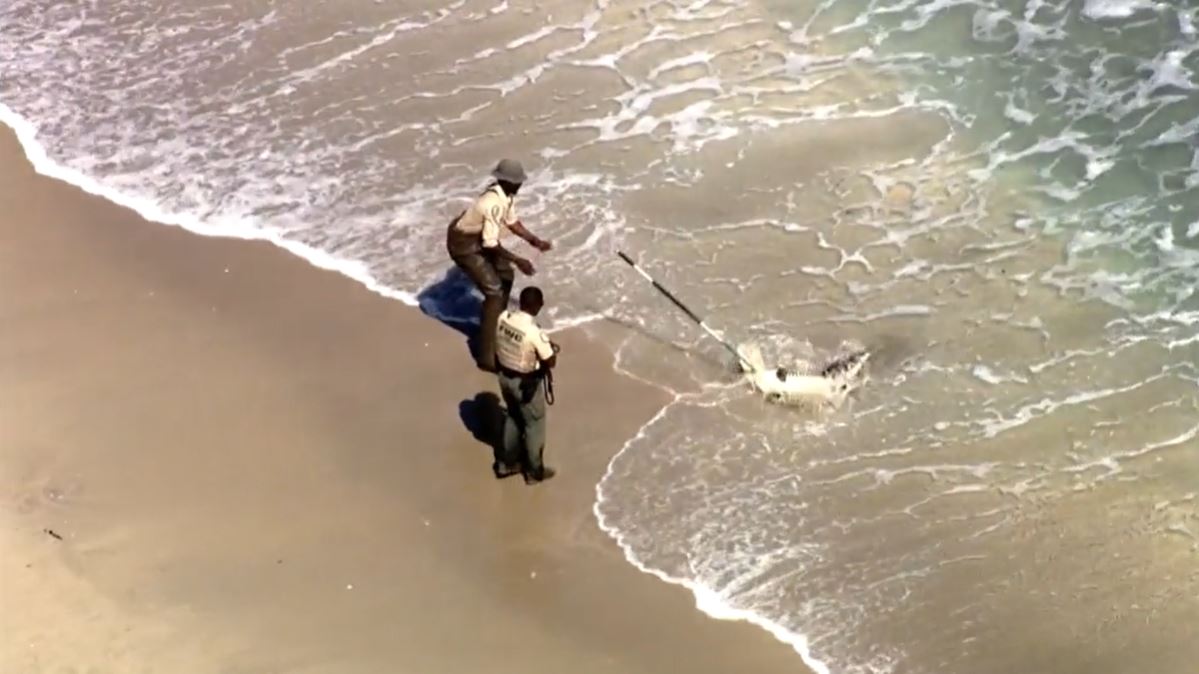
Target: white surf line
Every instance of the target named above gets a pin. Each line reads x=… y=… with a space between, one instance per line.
x=1040 y=409
x=1112 y=461
x=26 y=132
x=43 y=164
x=707 y=600
x=37 y=155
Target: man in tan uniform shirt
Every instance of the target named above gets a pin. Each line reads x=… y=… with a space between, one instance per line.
x=525 y=354
x=473 y=242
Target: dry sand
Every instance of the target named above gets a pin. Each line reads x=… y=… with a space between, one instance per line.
x=252 y=465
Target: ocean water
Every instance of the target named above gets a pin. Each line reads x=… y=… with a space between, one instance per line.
x=999 y=198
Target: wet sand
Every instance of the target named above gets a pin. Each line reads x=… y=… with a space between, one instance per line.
x=215 y=457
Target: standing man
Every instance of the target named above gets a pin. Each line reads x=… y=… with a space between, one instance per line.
x=473 y=242
x=525 y=356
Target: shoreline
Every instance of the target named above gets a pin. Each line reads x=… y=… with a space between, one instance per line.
x=35 y=153
x=186 y=264
x=320 y=435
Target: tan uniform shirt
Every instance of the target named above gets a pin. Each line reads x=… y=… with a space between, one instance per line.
x=521 y=344
x=492 y=213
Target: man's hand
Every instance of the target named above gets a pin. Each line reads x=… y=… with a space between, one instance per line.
x=552 y=361
x=518 y=228
x=519 y=262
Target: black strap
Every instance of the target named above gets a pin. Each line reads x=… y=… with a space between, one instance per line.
x=509 y=372
x=549 y=386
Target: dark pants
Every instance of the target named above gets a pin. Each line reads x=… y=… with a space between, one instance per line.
x=493 y=276
x=524 y=428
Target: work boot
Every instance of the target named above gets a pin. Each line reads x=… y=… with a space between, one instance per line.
x=503 y=470
x=545 y=473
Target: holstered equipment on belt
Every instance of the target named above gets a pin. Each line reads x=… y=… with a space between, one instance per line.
x=549 y=386
x=529 y=381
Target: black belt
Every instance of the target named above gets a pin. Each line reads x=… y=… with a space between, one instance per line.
x=509 y=372
x=543 y=373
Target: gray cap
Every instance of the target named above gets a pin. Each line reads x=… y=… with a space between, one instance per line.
x=509 y=171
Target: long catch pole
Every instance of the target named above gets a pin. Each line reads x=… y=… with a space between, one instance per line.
x=685 y=309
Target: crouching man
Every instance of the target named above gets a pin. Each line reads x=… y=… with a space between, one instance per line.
x=473 y=241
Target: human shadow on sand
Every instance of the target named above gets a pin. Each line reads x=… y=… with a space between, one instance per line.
x=483 y=416
x=454 y=301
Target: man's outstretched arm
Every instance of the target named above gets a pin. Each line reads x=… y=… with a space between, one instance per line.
x=518 y=228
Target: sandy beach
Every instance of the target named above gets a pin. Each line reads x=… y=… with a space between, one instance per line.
x=217 y=458
x=252 y=454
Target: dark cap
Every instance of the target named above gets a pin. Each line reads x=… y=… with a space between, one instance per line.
x=509 y=171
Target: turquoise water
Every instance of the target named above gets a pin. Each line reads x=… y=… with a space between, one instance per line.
x=1089 y=106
